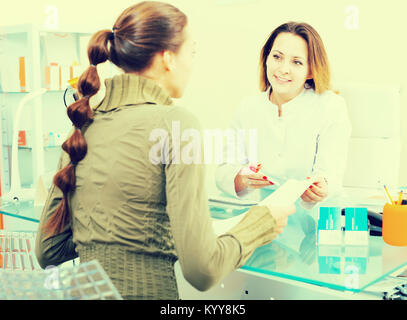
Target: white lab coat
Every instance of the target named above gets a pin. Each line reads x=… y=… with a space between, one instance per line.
x=310 y=138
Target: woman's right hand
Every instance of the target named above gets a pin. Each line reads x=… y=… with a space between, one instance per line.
x=247 y=178
x=280 y=214
x=259 y=227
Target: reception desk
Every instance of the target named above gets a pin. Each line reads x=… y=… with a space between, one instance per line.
x=293 y=266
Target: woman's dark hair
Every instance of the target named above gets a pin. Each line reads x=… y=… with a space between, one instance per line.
x=139 y=33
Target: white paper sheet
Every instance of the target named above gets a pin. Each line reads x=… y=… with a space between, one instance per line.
x=287 y=194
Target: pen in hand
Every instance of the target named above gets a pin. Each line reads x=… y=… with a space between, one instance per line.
x=257 y=168
x=250 y=177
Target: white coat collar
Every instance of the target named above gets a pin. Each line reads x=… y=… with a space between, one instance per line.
x=290 y=106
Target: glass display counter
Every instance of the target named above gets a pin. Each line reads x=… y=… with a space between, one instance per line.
x=295 y=254
x=21 y=277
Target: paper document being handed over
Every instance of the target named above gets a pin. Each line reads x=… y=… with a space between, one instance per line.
x=287 y=194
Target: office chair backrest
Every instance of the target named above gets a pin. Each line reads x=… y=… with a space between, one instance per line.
x=374 y=149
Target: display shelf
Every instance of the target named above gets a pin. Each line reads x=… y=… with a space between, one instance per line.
x=33 y=57
x=24 y=28
x=25 y=92
x=29 y=148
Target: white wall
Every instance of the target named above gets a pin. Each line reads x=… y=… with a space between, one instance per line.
x=230 y=34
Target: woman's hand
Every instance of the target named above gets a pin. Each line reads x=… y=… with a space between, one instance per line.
x=317 y=192
x=280 y=214
x=249 y=178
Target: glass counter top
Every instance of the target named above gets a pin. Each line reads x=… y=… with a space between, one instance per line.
x=295 y=253
x=24 y=210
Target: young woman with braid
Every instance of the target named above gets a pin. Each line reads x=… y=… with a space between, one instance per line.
x=110 y=201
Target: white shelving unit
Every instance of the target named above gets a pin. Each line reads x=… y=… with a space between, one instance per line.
x=65 y=51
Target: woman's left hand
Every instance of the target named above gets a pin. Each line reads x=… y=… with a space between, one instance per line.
x=317 y=192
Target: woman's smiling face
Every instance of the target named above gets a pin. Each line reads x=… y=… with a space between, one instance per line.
x=287 y=66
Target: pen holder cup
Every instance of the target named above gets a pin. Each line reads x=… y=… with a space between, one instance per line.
x=394 y=228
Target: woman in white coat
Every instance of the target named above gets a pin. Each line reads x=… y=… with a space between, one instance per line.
x=302 y=126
